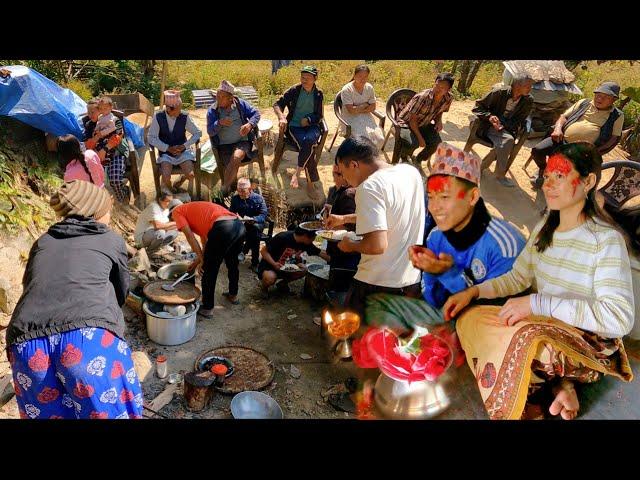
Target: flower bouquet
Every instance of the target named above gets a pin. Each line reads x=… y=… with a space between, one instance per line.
x=409 y=386
x=424 y=356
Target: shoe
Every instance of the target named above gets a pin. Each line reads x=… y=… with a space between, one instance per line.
x=232 y=302
x=241 y=257
x=505 y=182
x=205 y=312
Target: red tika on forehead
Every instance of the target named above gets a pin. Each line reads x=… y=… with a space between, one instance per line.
x=558 y=164
x=438 y=183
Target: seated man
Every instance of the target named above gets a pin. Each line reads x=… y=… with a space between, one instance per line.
x=302 y=126
x=249 y=204
x=466 y=247
x=230 y=122
x=153 y=228
x=423 y=116
x=595 y=121
x=280 y=250
x=502 y=113
x=168 y=134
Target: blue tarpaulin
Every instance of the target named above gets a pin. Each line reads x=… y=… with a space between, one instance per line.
x=32 y=98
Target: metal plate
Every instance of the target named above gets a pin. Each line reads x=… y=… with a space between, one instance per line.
x=183 y=293
x=252 y=369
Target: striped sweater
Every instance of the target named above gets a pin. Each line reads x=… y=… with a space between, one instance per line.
x=583 y=279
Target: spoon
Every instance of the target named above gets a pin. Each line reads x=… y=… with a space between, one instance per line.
x=172 y=287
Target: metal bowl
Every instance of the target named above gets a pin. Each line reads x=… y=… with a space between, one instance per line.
x=255 y=405
x=207 y=363
x=312 y=226
x=173 y=271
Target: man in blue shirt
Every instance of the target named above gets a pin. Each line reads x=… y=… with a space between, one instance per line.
x=249 y=204
x=466 y=247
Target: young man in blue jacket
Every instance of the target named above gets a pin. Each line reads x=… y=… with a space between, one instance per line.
x=302 y=125
x=466 y=247
x=230 y=125
x=249 y=204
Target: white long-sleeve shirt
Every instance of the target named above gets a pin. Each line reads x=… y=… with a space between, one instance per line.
x=154 y=132
x=583 y=279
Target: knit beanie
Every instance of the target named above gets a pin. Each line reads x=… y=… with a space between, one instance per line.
x=81 y=198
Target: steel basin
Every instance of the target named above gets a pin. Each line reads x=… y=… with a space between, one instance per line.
x=170 y=330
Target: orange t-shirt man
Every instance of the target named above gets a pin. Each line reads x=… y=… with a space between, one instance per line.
x=199 y=217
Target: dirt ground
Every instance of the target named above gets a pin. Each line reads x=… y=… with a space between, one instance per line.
x=284 y=328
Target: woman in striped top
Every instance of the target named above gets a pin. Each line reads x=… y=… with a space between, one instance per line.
x=569 y=329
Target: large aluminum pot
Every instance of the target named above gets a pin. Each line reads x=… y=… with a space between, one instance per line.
x=397 y=399
x=165 y=329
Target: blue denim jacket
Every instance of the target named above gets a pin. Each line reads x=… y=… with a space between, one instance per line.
x=254 y=206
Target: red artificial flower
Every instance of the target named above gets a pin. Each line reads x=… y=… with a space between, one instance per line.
x=394 y=361
x=361 y=355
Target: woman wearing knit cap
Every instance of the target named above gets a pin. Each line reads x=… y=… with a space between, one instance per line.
x=65 y=338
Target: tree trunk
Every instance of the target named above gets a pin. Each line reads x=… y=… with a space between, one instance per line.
x=162 y=82
x=454 y=67
x=464 y=73
x=147 y=67
x=472 y=75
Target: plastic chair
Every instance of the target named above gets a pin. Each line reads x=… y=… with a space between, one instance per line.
x=395 y=104
x=474 y=138
x=337 y=110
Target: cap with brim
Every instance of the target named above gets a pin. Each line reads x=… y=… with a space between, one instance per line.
x=309 y=69
x=608 y=88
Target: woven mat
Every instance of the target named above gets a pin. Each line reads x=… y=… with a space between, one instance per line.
x=252 y=369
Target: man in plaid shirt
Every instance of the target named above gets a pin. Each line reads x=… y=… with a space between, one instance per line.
x=423 y=117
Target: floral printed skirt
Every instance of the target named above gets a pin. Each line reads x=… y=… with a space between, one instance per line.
x=510 y=362
x=82 y=373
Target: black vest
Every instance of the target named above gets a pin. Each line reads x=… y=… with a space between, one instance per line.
x=605 y=131
x=178 y=136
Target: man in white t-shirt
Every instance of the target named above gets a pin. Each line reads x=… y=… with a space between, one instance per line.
x=154 y=229
x=389 y=216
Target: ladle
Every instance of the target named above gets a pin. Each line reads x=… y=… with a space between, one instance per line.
x=172 y=287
